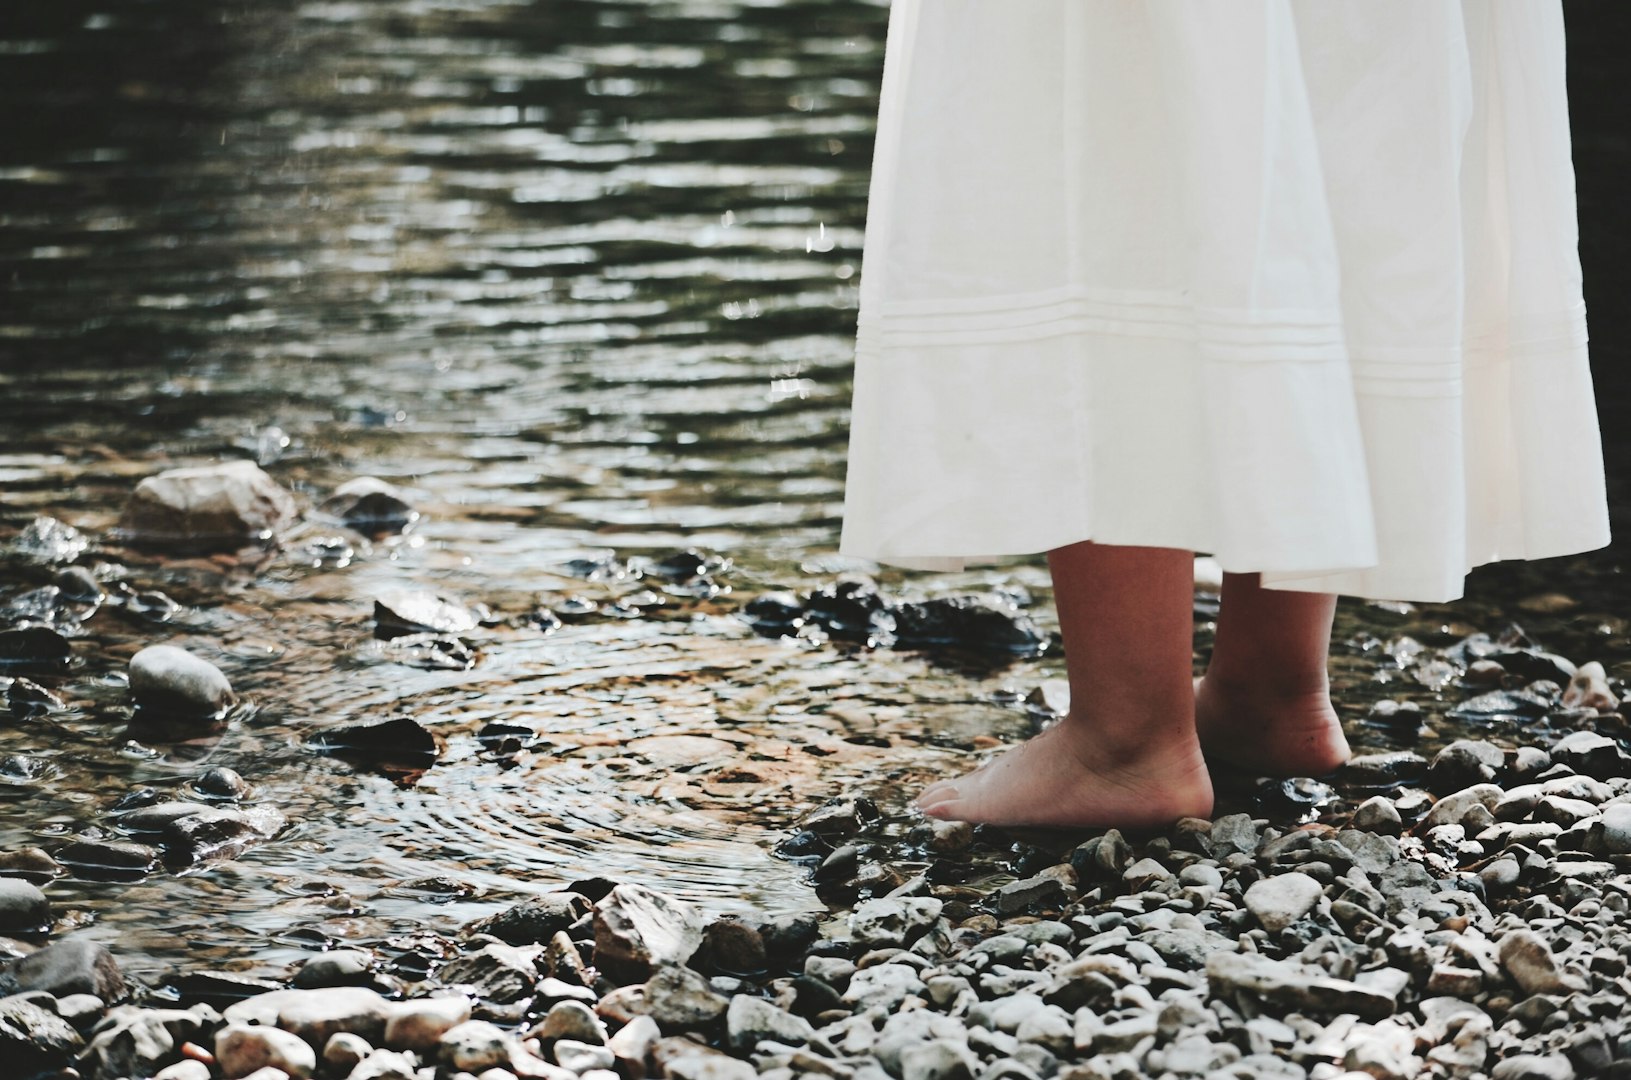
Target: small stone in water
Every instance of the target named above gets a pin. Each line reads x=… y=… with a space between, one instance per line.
x=213 y=505
x=172 y=681
x=370 y=505
x=220 y=782
x=34 y=647
x=417 y=611
x=23 y=907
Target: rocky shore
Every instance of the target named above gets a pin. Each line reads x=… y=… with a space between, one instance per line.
x=1457 y=914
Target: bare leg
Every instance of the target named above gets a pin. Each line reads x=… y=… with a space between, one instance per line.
x=1265 y=703
x=1127 y=754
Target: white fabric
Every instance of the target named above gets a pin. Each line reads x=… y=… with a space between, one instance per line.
x=1292 y=282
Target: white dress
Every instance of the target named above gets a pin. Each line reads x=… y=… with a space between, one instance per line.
x=1290 y=282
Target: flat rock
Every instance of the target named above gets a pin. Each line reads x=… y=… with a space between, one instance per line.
x=680 y=999
x=316 y=1014
x=170 y=680
x=639 y=929
x=1454 y=808
x=1293 y=987
x=1463 y=763
x=750 y=1021
x=209 y=506
x=893 y=920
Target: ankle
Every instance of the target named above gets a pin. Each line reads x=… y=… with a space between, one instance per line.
x=1266 y=683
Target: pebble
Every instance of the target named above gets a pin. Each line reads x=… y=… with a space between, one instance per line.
x=23 y=907
x=172 y=681
x=70 y=965
x=1281 y=900
x=419 y=1023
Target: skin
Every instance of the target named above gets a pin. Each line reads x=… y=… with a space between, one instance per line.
x=1130 y=752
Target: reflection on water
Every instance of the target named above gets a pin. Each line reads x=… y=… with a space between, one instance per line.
x=580 y=276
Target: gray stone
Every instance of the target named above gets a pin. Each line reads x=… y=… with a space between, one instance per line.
x=750 y=1021
x=34 y=1039
x=638 y=929
x=1282 y=899
x=1377 y=814
x=220 y=832
x=23 y=907
x=71 y=965
x=496 y=972
x=707 y=1065
x=633 y=1042
x=1533 y=1067
x=1593 y=754
x=680 y=999
x=420 y=1023
x=213 y=505
x=1232 y=834
x=338 y=967
x=580 y=1057
x=893 y=921
x=1616 y=828
x=1290 y=986
x=883 y=986
x=185 y=1069
x=1529 y=961
x=1464 y=762
x=938 y=1059
x=242 y=1048
x=476 y=1045
x=1452 y=809
x=316 y=1014
x=132 y=1040
x=173 y=681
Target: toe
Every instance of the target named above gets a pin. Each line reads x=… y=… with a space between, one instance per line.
x=935 y=794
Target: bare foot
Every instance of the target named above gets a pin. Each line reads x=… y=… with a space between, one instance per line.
x=1268 y=732
x=1059 y=779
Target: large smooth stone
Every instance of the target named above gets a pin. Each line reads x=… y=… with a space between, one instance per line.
x=172 y=680
x=638 y=929
x=23 y=907
x=73 y=965
x=212 y=505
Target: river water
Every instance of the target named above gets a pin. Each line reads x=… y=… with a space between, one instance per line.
x=580 y=276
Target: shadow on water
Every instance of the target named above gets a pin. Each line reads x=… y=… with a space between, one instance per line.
x=579 y=276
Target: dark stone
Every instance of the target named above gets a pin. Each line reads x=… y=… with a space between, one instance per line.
x=149 y=816
x=733 y=947
x=1501 y=704
x=1383 y=770
x=33 y=1040
x=370 y=506
x=786 y=937
x=30 y=862
x=501 y=973
x=47 y=540
x=219 y=832
x=811 y=996
x=22 y=768
x=79 y=584
x=220 y=782
x=535 y=919
x=980 y=623
x=73 y=965
x=1592 y=754
x=841 y=817
x=219 y=989
x=108 y=860
x=852 y=610
x=398 y=741
x=433 y=652
x=1530 y=664
x=1464 y=763
x=775 y=613
x=34 y=648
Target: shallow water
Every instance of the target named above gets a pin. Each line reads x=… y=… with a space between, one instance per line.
x=581 y=278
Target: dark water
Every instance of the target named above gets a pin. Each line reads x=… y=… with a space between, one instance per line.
x=581 y=277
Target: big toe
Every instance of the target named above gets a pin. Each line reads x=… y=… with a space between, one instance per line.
x=935 y=794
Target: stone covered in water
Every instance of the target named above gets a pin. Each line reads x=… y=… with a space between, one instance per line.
x=47 y=540
x=419 y=611
x=399 y=741
x=34 y=648
x=222 y=505
x=370 y=505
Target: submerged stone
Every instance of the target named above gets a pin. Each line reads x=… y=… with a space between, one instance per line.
x=208 y=506
x=174 y=682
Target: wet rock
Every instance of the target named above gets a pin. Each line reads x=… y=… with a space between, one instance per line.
x=840 y=818
x=1529 y=961
x=433 y=652
x=77 y=584
x=981 y=623
x=535 y=919
x=72 y=965
x=219 y=832
x=33 y=1039
x=750 y=1021
x=174 y=682
x=638 y=929
x=23 y=907
x=418 y=611
x=338 y=967
x=210 y=506
x=419 y=1023
x=1592 y=754
x=398 y=742
x=1281 y=900
x=852 y=609
x=34 y=648
x=220 y=782
x=775 y=614
x=25 y=697
x=1463 y=763
x=1502 y=704
x=241 y=1049
x=1383 y=770
x=496 y=972
x=47 y=540
x=1289 y=986
x=370 y=505
x=108 y=860
x=155 y=817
